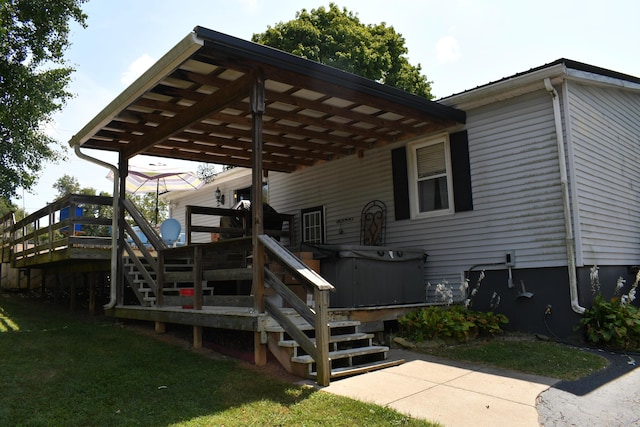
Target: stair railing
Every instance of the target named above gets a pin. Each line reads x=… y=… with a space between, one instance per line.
x=318 y=316
x=149 y=271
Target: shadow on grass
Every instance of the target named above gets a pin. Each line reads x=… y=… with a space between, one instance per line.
x=63 y=369
x=79 y=370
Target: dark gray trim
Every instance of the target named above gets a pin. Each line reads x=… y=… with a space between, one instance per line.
x=400 y=184
x=236 y=47
x=461 y=171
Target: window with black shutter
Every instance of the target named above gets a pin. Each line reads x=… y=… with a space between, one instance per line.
x=432 y=177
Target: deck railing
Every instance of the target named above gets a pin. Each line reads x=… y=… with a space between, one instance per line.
x=194 y=223
x=6 y=234
x=72 y=221
x=317 y=316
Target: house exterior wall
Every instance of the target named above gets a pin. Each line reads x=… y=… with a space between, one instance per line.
x=227 y=182
x=516 y=195
x=604 y=135
x=517 y=201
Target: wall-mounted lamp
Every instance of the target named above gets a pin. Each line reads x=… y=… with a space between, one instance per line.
x=219 y=197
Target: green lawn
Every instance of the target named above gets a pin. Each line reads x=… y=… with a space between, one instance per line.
x=74 y=370
x=527 y=355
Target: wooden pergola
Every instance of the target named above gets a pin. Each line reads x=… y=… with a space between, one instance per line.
x=214 y=98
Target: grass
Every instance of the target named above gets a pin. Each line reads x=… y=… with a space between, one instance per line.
x=62 y=369
x=59 y=369
x=526 y=355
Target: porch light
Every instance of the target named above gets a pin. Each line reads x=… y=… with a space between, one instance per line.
x=219 y=197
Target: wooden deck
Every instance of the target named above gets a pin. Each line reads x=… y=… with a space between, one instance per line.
x=56 y=235
x=203 y=285
x=223 y=317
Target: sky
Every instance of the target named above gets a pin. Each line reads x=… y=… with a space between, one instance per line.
x=460 y=44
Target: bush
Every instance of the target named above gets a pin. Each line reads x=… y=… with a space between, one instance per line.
x=614 y=323
x=454 y=322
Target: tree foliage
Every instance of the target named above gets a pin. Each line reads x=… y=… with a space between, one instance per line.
x=336 y=37
x=33 y=80
x=146 y=203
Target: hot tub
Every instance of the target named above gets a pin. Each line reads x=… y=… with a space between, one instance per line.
x=372 y=275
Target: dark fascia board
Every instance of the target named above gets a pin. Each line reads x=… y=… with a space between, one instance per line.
x=567 y=63
x=273 y=57
x=581 y=66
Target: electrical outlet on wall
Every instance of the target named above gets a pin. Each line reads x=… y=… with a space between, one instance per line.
x=510 y=258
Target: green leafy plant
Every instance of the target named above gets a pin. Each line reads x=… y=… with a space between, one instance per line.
x=613 y=323
x=456 y=322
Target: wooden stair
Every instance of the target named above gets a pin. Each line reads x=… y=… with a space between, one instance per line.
x=138 y=283
x=351 y=352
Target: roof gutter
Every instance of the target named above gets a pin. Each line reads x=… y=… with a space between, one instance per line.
x=114 y=224
x=564 y=184
x=505 y=89
x=277 y=58
x=165 y=65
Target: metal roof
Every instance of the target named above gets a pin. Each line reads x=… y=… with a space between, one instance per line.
x=194 y=104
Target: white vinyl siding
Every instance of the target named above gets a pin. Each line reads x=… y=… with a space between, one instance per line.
x=516 y=194
x=228 y=182
x=605 y=139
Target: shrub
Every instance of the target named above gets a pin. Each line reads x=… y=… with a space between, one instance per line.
x=613 y=323
x=456 y=322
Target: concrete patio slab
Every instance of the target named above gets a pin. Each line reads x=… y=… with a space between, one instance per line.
x=449 y=393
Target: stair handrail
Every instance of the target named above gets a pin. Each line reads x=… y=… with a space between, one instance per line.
x=151 y=269
x=318 y=316
x=145 y=226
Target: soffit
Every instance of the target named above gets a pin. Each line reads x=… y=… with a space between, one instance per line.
x=199 y=109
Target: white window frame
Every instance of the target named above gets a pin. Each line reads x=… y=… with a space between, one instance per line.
x=412 y=149
x=316 y=210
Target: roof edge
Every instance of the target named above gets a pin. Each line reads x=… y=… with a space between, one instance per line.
x=531 y=80
x=278 y=58
x=167 y=63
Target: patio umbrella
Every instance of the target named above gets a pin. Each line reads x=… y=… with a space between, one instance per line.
x=159 y=179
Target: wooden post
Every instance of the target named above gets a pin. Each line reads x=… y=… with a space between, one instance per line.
x=197 y=293
x=197 y=278
x=197 y=336
x=73 y=291
x=257 y=110
x=118 y=281
x=161 y=327
x=92 y=293
x=43 y=284
x=323 y=364
x=160 y=279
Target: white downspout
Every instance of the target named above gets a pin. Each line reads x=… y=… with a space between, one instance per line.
x=114 y=223
x=564 y=183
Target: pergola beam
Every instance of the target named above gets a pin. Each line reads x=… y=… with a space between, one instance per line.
x=235 y=90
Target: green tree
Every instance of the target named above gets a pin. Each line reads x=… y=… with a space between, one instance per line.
x=336 y=37
x=66 y=185
x=7 y=207
x=33 y=80
x=146 y=203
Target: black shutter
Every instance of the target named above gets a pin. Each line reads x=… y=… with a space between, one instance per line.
x=400 y=183
x=461 y=171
